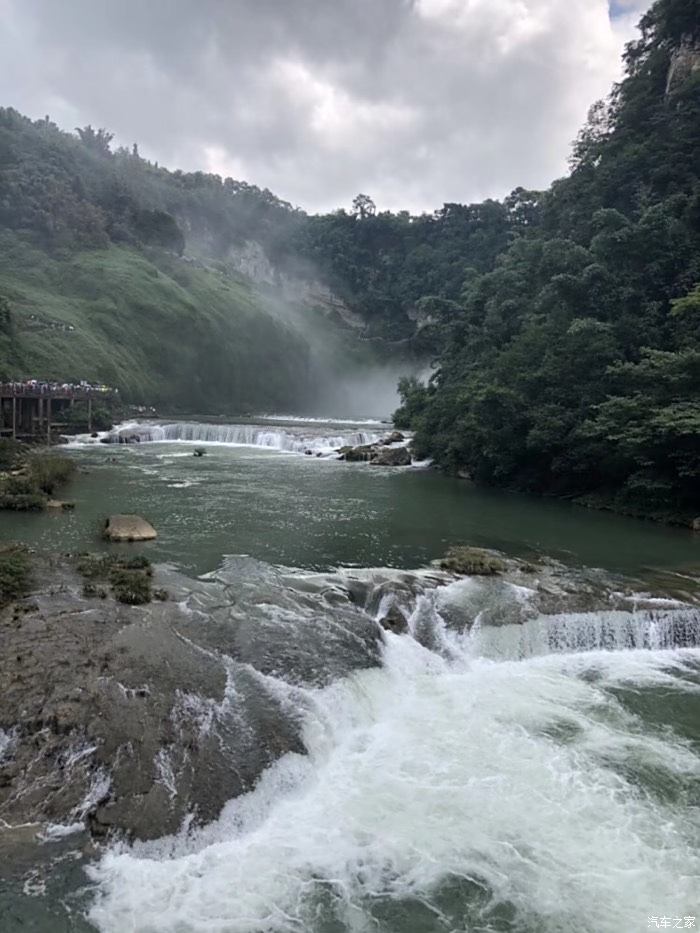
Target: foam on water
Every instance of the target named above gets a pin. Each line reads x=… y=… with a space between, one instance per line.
x=481 y=785
x=241 y=435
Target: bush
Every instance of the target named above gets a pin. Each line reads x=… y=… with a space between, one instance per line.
x=472 y=561
x=48 y=471
x=132 y=587
x=94 y=566
x=129 y=577
x=15 y=574
x=76 y=418
x=22 y=501
x=10 y=454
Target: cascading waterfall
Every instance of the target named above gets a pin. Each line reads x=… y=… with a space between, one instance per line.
x=241 y=435
x=485 y=776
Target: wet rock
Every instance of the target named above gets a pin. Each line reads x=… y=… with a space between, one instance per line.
x=119 y=717
x=129 y=528
x=472 y=561
x=392 y=456
x=361 y=454
x=376 y=453
x=396 y=437
x=394 y=621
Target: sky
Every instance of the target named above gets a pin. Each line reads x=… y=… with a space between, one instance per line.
x=414 y=102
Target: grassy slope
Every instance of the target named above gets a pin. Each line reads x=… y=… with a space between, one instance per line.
x=159 y=329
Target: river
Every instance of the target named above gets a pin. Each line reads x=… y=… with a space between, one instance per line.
x=513 y=763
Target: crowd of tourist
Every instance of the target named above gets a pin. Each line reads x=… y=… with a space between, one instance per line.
x=44 y=387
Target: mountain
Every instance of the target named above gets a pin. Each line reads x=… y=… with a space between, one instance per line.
x=572 y=368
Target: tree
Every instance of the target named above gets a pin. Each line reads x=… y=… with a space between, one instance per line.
x=363 y=206
x=97 y=141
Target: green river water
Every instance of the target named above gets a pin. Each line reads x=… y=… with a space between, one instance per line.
x=499 y=770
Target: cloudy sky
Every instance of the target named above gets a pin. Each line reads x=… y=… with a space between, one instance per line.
x=414 y=102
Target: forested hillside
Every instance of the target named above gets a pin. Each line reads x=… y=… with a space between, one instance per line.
x=93 y=284
x=573 y=367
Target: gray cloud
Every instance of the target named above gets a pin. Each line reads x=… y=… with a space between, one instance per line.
x=414 y=101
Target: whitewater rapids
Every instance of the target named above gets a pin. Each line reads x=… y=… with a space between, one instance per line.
x=500 y=777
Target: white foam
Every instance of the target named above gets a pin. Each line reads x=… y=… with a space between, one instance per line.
x=437 y=767
x=242 y=435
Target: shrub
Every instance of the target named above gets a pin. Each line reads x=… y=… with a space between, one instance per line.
x=129 y=577
x=15 y=574
x=48 y=471
x=22 y=501
x=76 y=418
x=10 y=454
x=472 y=561
x=132 y=587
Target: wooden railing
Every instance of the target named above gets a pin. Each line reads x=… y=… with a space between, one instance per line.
x=53 y=390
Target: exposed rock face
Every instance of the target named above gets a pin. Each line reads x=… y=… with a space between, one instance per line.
x=303 y=289
x=129 y=528
x=685 y=61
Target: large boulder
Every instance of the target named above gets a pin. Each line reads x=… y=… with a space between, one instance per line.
x=392 y=456
x=396 y=437
x=362 y=454
x=129 y=528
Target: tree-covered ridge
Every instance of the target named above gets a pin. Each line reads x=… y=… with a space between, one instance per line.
x=73 y=191
x=573 y=367
x=396 y=268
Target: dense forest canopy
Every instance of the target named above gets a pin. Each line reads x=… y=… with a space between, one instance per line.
x=573 y=366
x=564 y=325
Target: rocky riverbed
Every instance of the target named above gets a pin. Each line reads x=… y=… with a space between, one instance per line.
x=132 y=719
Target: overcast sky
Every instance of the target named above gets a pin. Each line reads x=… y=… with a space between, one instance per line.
x=414 y=102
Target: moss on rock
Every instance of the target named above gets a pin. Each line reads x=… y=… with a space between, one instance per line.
x=472 y=561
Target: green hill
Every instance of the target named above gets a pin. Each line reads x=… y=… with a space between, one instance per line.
x=160 y=330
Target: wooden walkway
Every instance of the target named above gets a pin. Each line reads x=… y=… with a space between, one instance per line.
x=29 y=410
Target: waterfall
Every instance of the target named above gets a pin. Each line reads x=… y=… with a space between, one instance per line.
x=239 y=435
x=654 y=630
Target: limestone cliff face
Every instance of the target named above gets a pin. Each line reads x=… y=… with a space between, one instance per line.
x=685 y=61
x=251 y=260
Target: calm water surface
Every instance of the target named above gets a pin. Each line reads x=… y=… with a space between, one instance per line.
x=318 y=513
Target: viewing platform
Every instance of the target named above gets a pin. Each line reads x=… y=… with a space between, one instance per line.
x=32 y=409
